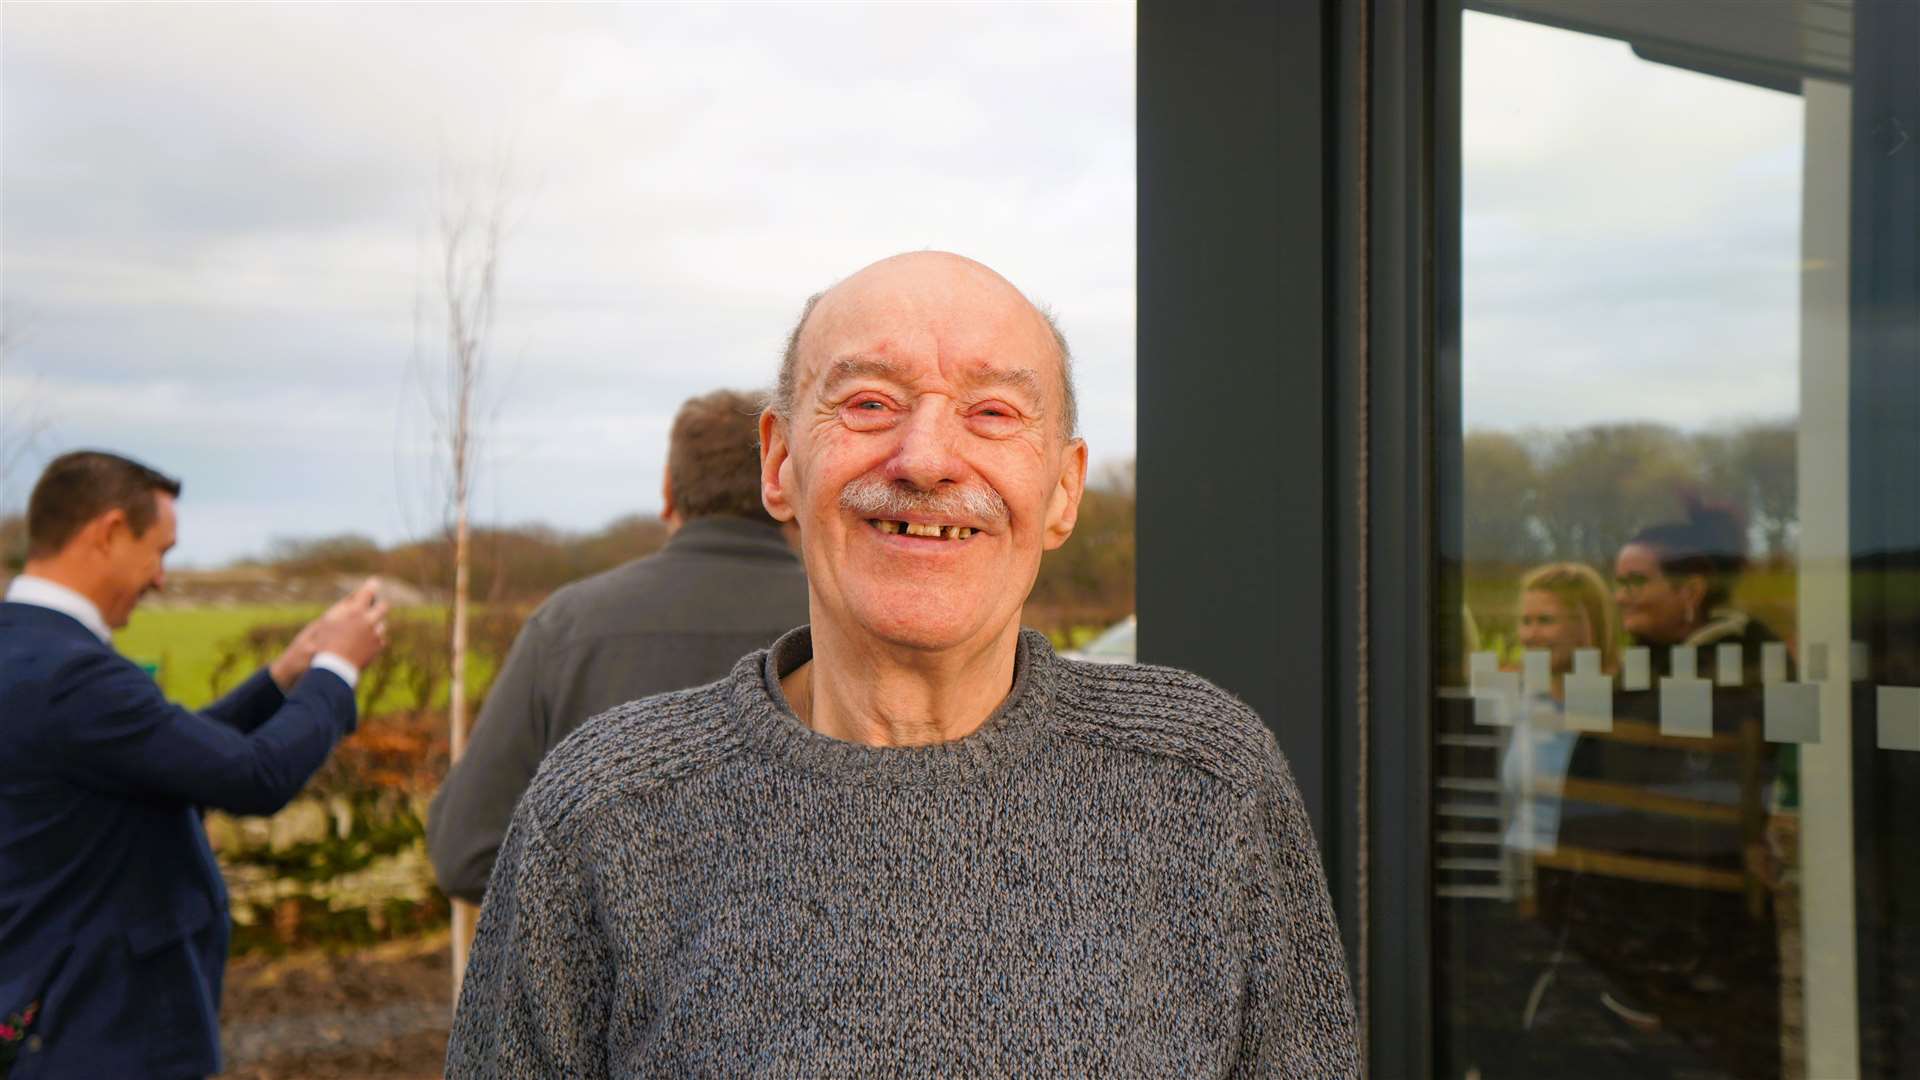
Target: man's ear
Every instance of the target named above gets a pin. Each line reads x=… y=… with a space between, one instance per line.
x=106 y=531
x=669 y=513
x=776 y=468
x=1063 y=506
x=1694 y=588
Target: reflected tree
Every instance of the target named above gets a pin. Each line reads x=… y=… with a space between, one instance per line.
x=1580 y=494
x=1601 y=484
x=1757 y=465
x=1502 y=489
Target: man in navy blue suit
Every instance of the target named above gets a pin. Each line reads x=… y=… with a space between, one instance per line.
x=113 y=915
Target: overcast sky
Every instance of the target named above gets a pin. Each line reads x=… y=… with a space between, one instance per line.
x=215 y=219
x=1631 y=238
x=213 y=223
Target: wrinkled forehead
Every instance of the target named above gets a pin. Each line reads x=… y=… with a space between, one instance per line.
x=960 y=322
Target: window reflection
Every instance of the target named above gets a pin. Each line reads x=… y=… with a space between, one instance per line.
x=1659 y=887
x=1668 y=835
x=1646 y=825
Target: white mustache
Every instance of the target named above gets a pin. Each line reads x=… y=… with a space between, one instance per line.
x=873 y=497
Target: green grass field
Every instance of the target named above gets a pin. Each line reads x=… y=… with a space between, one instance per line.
x=187 y=645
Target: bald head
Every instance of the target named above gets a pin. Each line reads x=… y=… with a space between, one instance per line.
x=940 y=290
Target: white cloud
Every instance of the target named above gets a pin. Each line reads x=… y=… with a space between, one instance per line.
x=215 y=215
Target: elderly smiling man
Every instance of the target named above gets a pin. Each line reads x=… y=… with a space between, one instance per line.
x=909 y=840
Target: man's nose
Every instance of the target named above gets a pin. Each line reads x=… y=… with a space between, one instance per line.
x=925 y=455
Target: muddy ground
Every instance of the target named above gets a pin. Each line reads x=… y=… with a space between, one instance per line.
x=376 y=1014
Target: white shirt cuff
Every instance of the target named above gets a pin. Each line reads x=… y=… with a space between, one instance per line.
x=339 y=665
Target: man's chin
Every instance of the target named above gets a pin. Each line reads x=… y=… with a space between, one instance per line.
x=118 y=618
x=931 y=633
x=933 y=614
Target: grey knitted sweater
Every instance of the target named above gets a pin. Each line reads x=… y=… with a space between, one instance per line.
x=1113 y=876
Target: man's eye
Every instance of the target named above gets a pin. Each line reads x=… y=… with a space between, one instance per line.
x=869 y=414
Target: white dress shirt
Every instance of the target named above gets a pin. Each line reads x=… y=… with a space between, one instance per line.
x=38 y=591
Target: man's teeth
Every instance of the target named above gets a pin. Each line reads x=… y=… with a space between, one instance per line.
x=914 y=528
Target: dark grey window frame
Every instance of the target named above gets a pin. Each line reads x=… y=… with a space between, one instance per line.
x=1287 y=336
x=1884 y=505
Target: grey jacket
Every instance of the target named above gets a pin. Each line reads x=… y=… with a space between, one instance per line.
x=721 y=588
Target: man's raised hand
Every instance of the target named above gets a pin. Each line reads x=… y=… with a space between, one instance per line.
x=334 y=631
x=356 y=627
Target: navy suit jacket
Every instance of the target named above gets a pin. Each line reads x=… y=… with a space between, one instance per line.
x=113 y=915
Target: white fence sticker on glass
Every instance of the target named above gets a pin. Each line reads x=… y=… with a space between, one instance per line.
x=1636 y=668
x=1589 y=704
x=1496 y=693
x=1729 y=660
x=1686 y=701
x=1816 y=661
x=1793 y=712
x=1685 y=661
x=1773 y=663
x=1536 y=668
x=1819 y=667
x=1899 y=717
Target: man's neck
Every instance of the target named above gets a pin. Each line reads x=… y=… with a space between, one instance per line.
x=63 y=573
x=883 y=695
x=88 y=608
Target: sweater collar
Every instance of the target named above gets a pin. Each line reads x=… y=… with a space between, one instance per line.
x=771 y=726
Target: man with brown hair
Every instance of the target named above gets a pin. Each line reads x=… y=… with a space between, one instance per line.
x=113 y=915
x=726 y=584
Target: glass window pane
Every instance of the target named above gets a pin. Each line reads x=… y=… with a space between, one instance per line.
x=1668 y=838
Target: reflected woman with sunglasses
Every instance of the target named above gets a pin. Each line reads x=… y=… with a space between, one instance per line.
x=1673 y=584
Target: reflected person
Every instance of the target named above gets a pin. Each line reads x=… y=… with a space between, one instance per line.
x=1674 y=586
x=1564 y=607
x=910 y=839
x=1661 y=888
